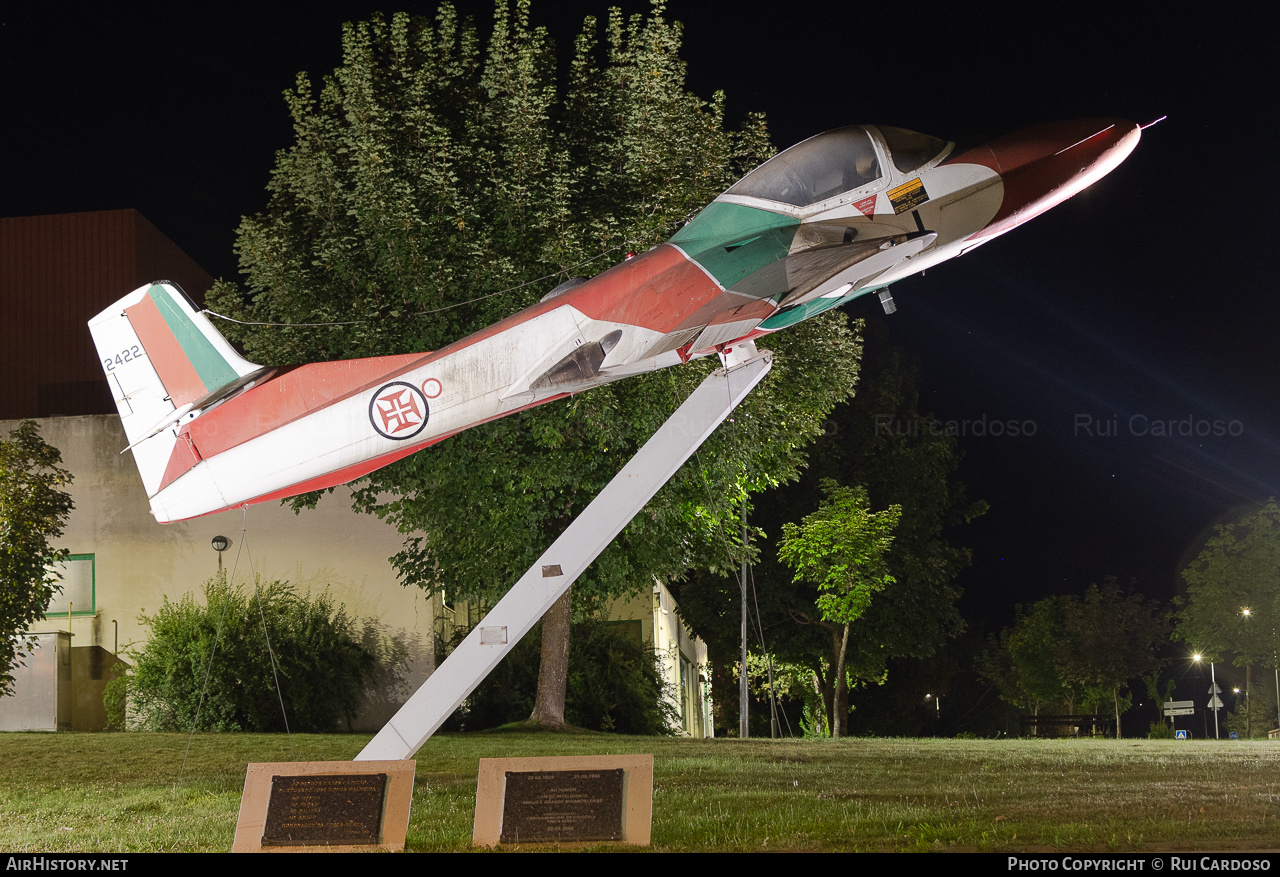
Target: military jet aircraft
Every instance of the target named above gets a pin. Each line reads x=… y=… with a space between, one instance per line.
x=840 y=215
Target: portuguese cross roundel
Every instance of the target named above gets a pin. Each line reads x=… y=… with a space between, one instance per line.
x=398 y=411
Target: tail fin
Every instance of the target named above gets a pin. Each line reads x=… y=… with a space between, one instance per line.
x=162 y=357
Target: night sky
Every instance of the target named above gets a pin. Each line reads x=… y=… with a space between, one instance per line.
x=1147 y=299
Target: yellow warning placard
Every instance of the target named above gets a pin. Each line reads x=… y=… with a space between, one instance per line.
x=908 y=196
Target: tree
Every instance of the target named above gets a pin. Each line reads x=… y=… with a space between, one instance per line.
x=1085 y=647
x=878 y=439
x=1024 y=664
x=1254 y=712
x=1111 y=638
x=840 y=548
x=1232 y=601
x=33 y=513
x=431 y=192
x=902 y=456
x=216 y=666
x=615 y=684
x=1158 y=695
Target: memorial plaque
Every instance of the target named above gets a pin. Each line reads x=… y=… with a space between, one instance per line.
x=564 y=800
x=562 y=805
x=319 y=806
x=325 y=809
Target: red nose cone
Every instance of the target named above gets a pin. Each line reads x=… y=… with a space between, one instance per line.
x=1047 y=164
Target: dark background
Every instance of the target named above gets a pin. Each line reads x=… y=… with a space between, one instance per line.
x=1148 y=296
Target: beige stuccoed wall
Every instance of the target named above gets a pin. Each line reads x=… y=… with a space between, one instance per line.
x=671 y=640
x=139 y=562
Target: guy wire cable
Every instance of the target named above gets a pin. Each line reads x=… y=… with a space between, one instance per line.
x=460 y=304
x=257 y=590
x=751 y=571
x=217 y=637
x=724 y=540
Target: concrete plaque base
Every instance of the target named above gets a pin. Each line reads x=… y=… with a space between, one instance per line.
x=325 y=805
x=561 y=801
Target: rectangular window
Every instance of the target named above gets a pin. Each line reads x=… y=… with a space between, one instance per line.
x=687 y=707
x=77 y=581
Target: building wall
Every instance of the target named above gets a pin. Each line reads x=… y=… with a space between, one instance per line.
x=55 y=273
x=137 y=563
x=681 y=655
x=58 y=271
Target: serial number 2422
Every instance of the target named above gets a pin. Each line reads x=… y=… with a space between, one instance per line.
x=127 y=355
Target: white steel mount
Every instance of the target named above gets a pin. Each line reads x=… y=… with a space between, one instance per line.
x=569 y=556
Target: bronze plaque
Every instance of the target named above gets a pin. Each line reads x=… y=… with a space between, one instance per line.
x=325 y=810
x=562 y=805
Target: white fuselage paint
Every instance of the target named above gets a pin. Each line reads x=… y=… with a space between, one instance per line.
x=477 y=383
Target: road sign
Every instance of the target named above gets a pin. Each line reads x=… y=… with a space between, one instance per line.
x=1215 y=703
x=1214 y=689
x=1180 y=735
x=1185 y=711
x=1179 y=707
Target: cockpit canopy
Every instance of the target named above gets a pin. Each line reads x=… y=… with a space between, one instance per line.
x=837 y=161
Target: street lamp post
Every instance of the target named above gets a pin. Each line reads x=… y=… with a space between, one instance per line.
x=1213 y=695
x=1247 y=612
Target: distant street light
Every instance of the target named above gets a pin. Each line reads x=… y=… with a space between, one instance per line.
x=1213 y=693
x=1248 y=613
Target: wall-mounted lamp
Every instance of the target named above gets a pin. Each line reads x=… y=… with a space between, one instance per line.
x=220 y=544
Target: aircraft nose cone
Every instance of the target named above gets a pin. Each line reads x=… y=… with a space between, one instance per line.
x=1045 y=165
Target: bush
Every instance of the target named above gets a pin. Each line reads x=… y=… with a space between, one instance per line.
x=115 y=697
x=320 y=662
x=1160 y=731
x=613 y=685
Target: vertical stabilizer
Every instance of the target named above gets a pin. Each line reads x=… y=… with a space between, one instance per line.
x=161 y=357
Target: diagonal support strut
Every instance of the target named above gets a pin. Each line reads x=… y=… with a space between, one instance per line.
x=568 y=557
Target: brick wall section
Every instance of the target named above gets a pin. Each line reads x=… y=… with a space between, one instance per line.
x=55 y=273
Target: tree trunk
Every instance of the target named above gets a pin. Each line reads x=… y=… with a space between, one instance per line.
x=1115 y=694
x=840 y=711
x=553 y=674
x=824 y=688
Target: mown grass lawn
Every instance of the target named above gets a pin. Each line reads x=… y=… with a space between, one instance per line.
x=150 y=792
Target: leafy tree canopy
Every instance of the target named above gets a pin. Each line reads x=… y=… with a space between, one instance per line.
x=1087 y=648
x=841 y=548
x=1024 y=662
x=902 y=456
x=425 y=179
x=1232 y=602
x=880 y=440
x=435 y=187
x=33 y=512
